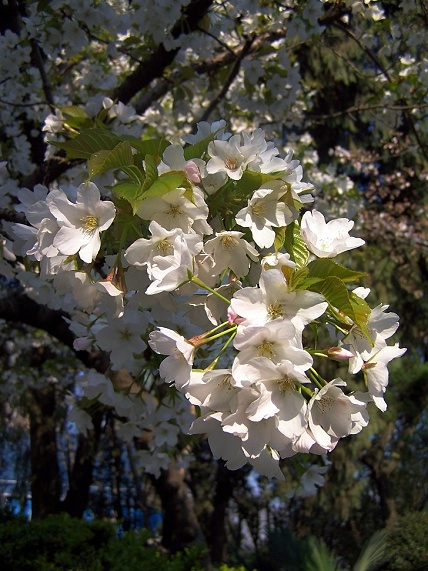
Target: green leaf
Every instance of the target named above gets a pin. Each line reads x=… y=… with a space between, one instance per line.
x=338 y=296
x=74 y=111
x=76 y=118
x=119 y=157
x=130 y=191
x=91 y=141
x=151 y=171
x=251 y=181
x=135 y=173
x=197 y=150
x=166 y=182
x=297 y=277
x=295 y=246
x=154 y=147
x=324 y=268
x=279 y=238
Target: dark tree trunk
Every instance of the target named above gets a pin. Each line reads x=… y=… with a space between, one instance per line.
x=80 y=477
x=45 y=477
x=223 y=494
x=180 y=524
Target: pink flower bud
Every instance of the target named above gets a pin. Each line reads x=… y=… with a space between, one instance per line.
x=232 y=317
x=339 y=354
x=192 y=172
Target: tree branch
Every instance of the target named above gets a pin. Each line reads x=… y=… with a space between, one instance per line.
x=17 y=307
x=154 y=66
x=208 y=66
x=223 y=91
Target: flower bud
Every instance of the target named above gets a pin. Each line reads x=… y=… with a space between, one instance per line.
x=339 y=354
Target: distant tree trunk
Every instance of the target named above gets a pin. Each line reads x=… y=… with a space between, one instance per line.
x=383 y=468
x=80 y=477
x=217 y=528
x=45 y=477
x=180 y=524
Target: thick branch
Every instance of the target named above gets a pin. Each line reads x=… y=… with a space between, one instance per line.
x=154 y=66
x=163 y=86
x=223 y=91
x=18 y=308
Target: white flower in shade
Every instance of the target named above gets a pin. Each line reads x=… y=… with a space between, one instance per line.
x=153 y=462
x=232 y=449
x=176 y=368
x=309 y=483
x=213 y=389
x=381 y=325
x=230 y=250
x=173 y=159
x=80 y=222
x=174 y=210
x=223 y=444
x=122 y=337
x=330 y=413
x=326 y=240
x=267 y=464
x=205 y=129
x=266 y=211
x=271 y=300
x=376 y=372
x=165 y=433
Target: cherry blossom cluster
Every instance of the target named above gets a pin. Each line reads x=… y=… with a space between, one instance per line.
x=199 y=276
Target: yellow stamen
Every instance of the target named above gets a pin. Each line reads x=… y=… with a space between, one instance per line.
x=89 y=224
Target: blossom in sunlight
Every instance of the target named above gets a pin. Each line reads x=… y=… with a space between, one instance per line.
x=264 y=212
x=230 y=250
x=230 y=157
x=174 y=210
x=80 y=222
x=272 y=300
x=327 y=239
x=376 y=372
x=330 y=413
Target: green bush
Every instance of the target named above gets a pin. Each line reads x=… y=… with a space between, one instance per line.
x=57 y=543
x=408 y=543
x=61 y=543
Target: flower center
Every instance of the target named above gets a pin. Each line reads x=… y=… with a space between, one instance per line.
x=164 y=247
x=228 y=242
x=266 y=349
x=226 y=383
x=89 y=224
x=231 y=162
x=324 y=404
x=174 y=211
x=285 y=384
x=275 y=310
x=258 y=208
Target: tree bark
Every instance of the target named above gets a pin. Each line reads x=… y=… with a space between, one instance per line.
x=180 y=524
x=45 y=477
x=80 y=478
x=223 y=494
x=154 y=66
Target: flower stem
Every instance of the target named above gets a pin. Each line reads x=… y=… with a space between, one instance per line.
x=195 y=280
